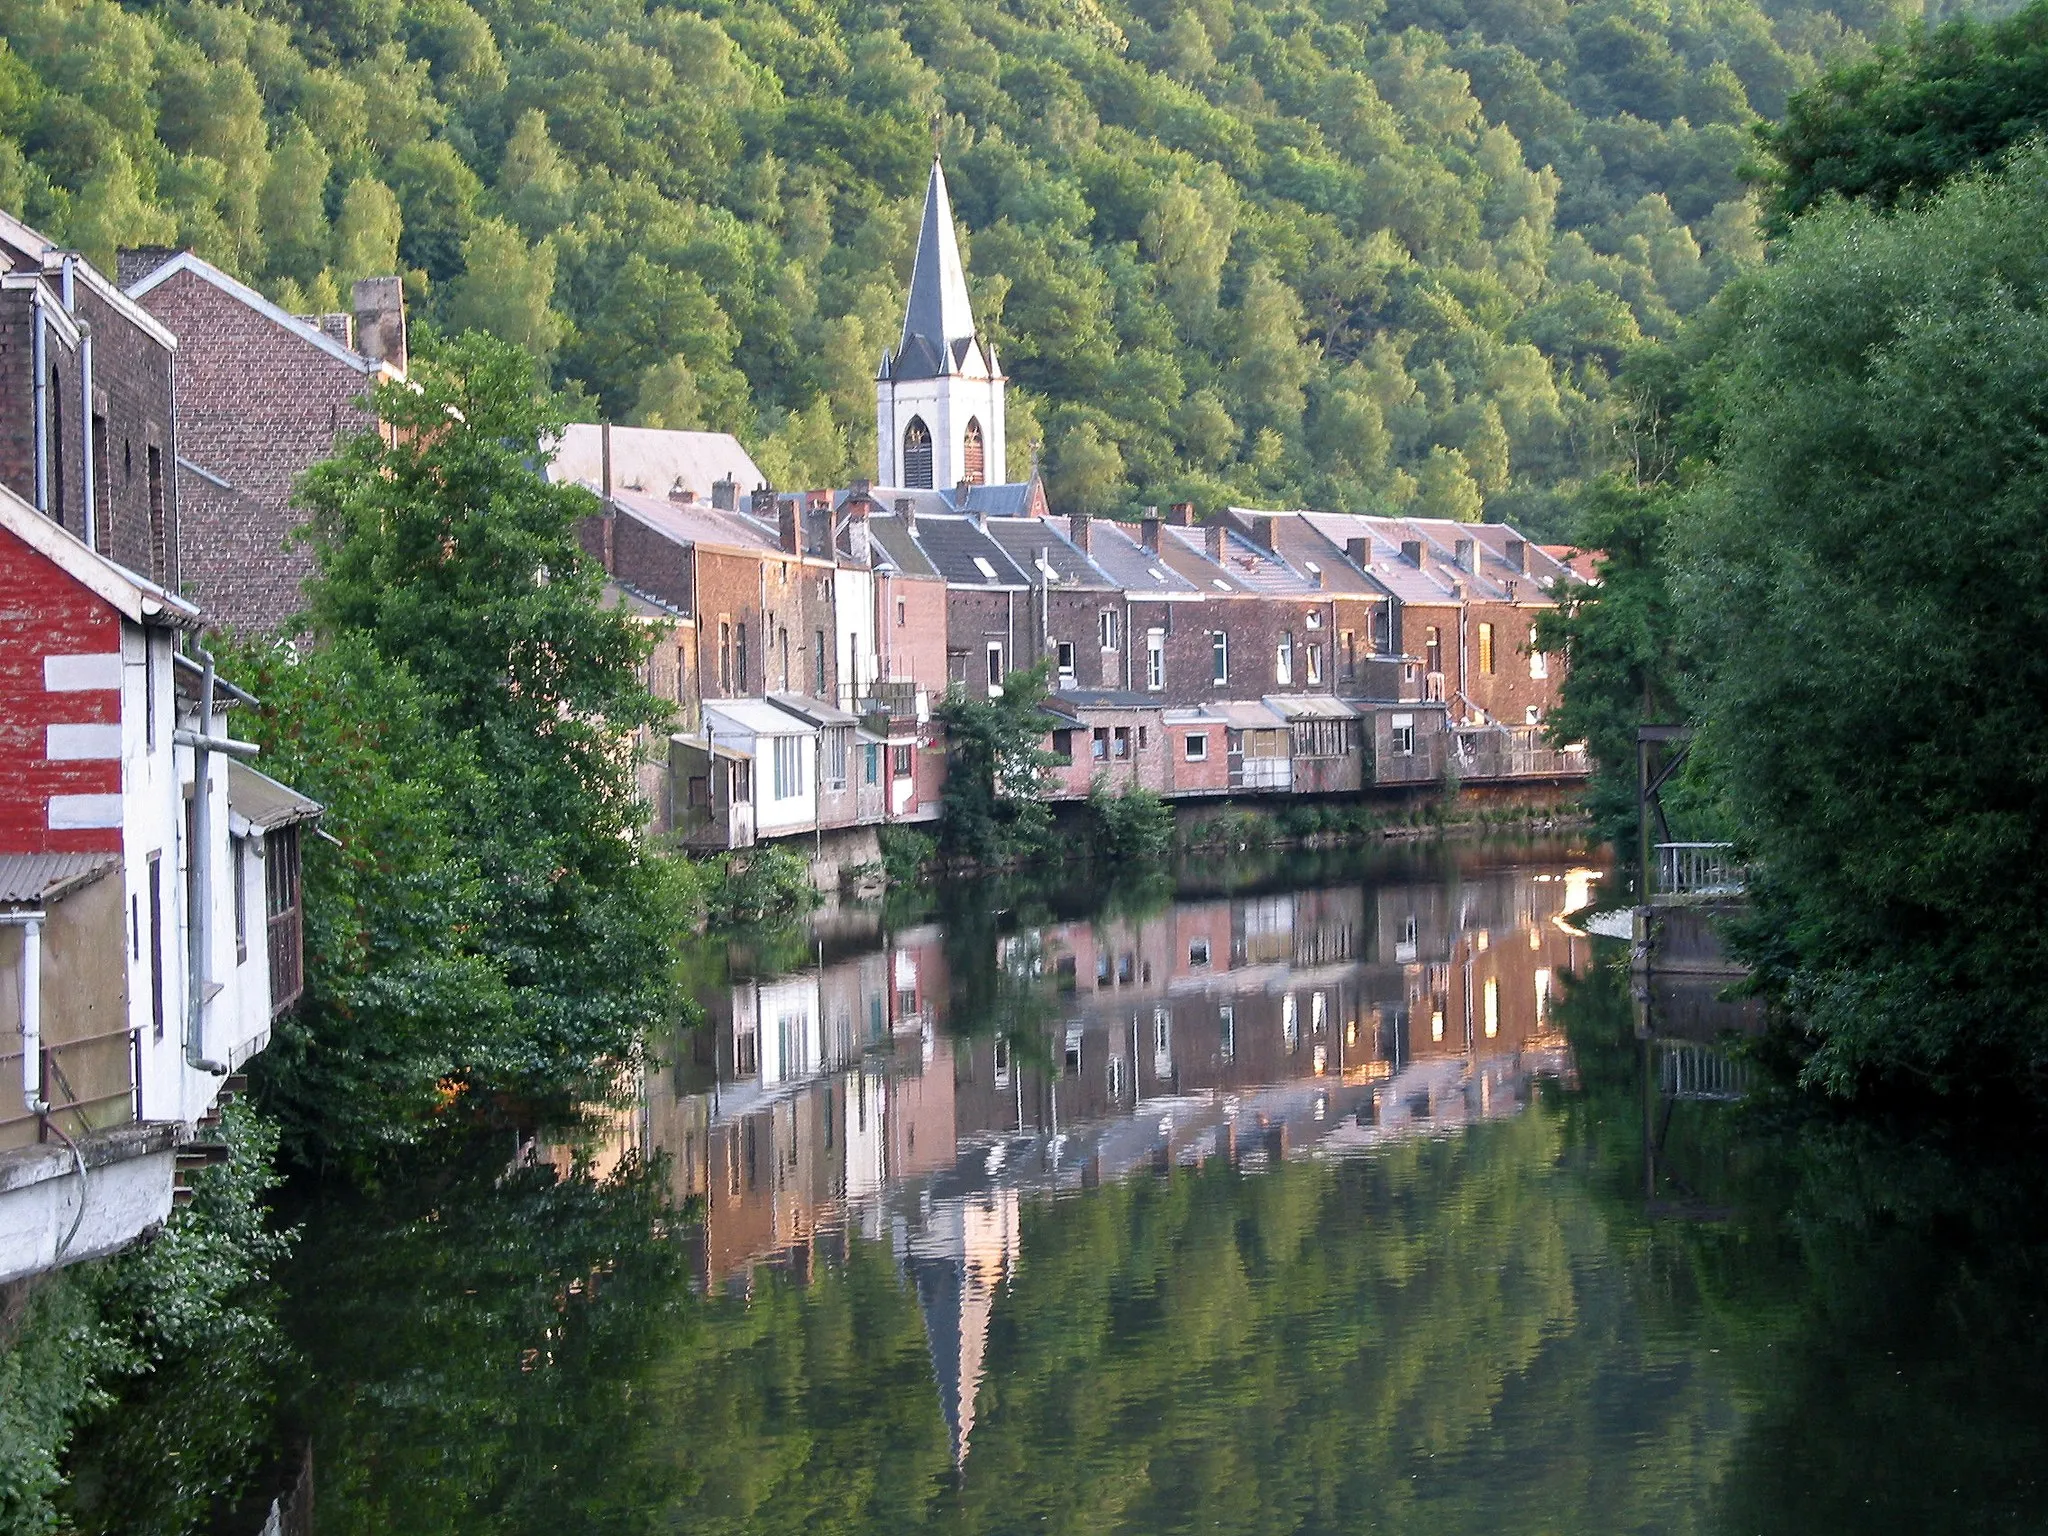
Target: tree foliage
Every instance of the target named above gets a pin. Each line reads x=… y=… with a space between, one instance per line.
x=1190 y=224
x=1862 y=573
x=995 y=811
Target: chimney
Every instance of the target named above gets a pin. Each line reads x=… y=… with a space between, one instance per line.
x=725 y=494
x=1411 y=551
x=1262 y=533
x=1468 y=555
x=907 y=510
x=789 y=525
x=859 y=546
x=763 y=503
x=1151 y=527
x=380 y=319
x=1080 y=528
x=861 y=490
x=1360 y=552
x=1518 y=555
x=681 y=492
x=604 y=459
x=1212 y=539
x=1181 y=514
x=340 y=325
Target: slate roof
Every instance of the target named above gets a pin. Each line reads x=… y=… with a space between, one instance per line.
x=938 y=322
x=1406 y=582
x=1303 y=545
x=897 y=548
x=1245 y=566
x=694 y=522
x=1129 y=565
x=954 y=544
x=1028 y=540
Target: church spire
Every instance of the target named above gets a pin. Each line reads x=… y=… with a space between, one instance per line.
x=938 y=324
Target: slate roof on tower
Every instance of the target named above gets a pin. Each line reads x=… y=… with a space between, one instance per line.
x=938 y=322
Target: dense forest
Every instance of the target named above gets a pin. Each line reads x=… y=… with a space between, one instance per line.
x=1364 y=253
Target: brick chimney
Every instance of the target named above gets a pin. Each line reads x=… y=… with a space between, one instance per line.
x=1262 y=532
x=1518 y=555
x=907 y=510
x=762 y=503
x=380 y=319
x=1181 y=514
x=725 y=494
x=789 y=525
x=1081 y=529
x=681 y=492
x=1151 y=527
x=1212 y=540
x=1360 y=552
x=1467 y=551
x=338 y=324
x=1411 y=551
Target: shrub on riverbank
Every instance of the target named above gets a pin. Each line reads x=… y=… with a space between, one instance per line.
x=1135 y=824
x=766 y=884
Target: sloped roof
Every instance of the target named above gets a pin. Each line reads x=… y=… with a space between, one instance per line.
x=1308 y=550
x=1245 y=566
x=1411 y=584
x=652 y=460
x=955 y=545
x=1310 y=706
x=695 y=522
x=136 y=598
x=263 y=802
x=28 y=879
x=1032 y=540
x=938 y=321
x=48 y=257
x=1129 y=564
x=815 y=711
x=758 y=717
x=898 y=548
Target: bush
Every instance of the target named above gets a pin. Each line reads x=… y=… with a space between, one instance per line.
x=905 y=853
x=1136 y=824
x=763 y=885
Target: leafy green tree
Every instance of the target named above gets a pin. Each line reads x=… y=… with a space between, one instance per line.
x=1087 y=469
x=1863 y=711
x=366 y=234
x=294 y=207
x=505 y=289
x=995 y=771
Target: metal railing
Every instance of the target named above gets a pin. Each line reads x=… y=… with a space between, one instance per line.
x=89 y=1084
x=1697 y=869
x=1506 y=752
x=1689 y=1070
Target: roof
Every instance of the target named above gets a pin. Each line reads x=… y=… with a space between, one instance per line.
x=1584 y=564
x=652 y=460
x=1409 y=583
x=137 y=598
x=263 y=802
x=815 y=711
x=1109 y=698
x=1128 y=564
x=641 y=605
x=49 y=256
x=695 y=522
x=899 y=549
x=1310 y=551
x=1245 y=566
x=29 y=879
x=206 y=272
x=965 y=555
x=1044 y=553
x=713 y=748
x=758 y=717
x=938 y=321
x=1247 y=715
x=1310 y=706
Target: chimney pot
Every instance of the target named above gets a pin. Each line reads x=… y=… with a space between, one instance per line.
x=1411 y=551
x=725 y=494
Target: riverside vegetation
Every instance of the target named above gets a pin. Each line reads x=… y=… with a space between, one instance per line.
x=1362 y=254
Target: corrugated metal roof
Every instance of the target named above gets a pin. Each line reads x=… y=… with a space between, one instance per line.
x=29 y=879
x=758 y=717
x=263 y=802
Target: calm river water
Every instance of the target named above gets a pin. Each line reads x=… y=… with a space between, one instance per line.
x=1337 y=1195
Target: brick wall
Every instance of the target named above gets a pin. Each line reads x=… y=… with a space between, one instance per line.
x=45 y=614
x=258 y=404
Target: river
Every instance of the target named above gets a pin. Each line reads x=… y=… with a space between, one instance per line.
x=1322 y=1194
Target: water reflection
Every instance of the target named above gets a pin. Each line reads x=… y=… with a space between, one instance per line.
x=846 y=1102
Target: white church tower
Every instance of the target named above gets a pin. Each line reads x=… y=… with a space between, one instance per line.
x=939 y=395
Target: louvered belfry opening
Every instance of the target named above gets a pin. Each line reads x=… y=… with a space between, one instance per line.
x=973 y=462
x=917 y=455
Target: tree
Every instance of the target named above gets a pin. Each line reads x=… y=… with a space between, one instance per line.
x=444 y=551
x=1867 y=713
x=367 y=233
x=506 y=288
x=1088 y=469
x=294 y=206
x=995 y=771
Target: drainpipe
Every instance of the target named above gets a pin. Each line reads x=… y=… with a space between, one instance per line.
x=91 y=524
x=31 y=925
x=39 y=350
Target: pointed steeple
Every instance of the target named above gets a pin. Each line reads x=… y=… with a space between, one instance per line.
x=938 y=324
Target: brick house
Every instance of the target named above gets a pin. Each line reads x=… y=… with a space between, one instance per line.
x=262 y=396
x=87 y=428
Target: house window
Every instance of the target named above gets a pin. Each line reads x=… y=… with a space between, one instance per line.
x=902 y=613
x=149 y=690
x=818 y=668
x=1195 y=746
x=1403 y=733
x=739 y=778
x=1063 y=744
x=1321 y=738
x=283 y=927
x=1265 y=744
x=1121 y=739
x=789 y=767
x=1219 y=656
x=1290 y=1021
x=917 y=455
x=1198 y=952
x=700 y=791
x=1116 y=1079
x=1314 y=653
x=1533 y=715
x=871 y=763
x=1108 y=623
x=158 y=560
x=1492 y=1006
x=1071 y=1059
x=1155 y=660
x=1226 y=1032
x=724 y=656
x=1486 y=649
x=1099 y=743
x=835 y=756
x=1162 y=1043
x=995 y=669
x=739 y=658
x=1002 y=1063
x=1539 y=661
x=973 y=456
x=900 y=762
x=240 y=846
x=1283 y=661
x=1432 y=649
x=1144 y=738
x=1347 y=656
x=156 y=944
x=1066 y=660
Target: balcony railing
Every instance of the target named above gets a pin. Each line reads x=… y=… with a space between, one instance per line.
x=1697 y=869
x=1507 y=752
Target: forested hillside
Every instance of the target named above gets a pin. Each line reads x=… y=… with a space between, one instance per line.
x=1368 y=253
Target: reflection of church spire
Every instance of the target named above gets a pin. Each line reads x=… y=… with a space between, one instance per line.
x=959 y=1261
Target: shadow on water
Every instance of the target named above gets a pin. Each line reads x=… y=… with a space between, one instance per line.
x=1316 y=1201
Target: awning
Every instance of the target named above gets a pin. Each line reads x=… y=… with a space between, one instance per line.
x=30 y=879
x=817 y=711
x=721 y=749
x=1311 y=706
x=263 y=803
x=757 y=717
